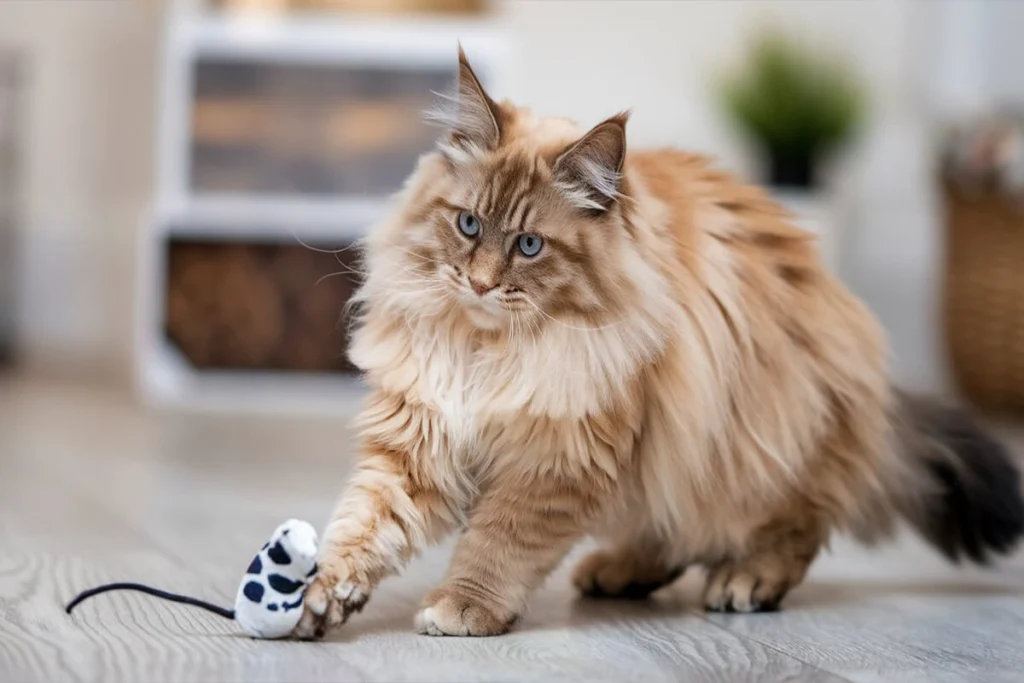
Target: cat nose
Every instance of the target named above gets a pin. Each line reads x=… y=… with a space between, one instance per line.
x=480 y=288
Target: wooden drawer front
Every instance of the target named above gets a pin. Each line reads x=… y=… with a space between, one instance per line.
x=232 y=305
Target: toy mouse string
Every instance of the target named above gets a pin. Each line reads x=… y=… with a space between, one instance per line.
x=270 y=599
x=149 y=590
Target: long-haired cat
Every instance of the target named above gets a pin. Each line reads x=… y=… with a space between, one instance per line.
x=564 y=339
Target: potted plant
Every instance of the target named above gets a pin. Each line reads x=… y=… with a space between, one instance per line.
x=795 y=105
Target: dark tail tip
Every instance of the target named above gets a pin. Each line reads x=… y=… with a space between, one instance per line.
x=977 y=508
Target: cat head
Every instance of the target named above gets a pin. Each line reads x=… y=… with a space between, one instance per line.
x=512 y=218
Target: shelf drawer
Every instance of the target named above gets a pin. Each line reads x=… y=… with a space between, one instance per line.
x=236 y=305
x=260 y=128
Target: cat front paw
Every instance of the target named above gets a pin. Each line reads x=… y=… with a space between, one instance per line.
x=331 y=598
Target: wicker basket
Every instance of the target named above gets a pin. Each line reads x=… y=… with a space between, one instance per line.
x=984 y=298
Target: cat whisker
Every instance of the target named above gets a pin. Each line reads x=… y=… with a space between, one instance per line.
x=513 y=319
x=425 y=259
x=420 y=288
x=333 y=252
x=339 y=272
x=319 y=250
x=571 y=327
x=416 y=273
x=534 y=329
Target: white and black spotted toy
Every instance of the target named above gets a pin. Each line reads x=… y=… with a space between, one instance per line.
x=269 y=599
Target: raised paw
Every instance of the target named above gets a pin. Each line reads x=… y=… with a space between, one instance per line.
x=446 y=612
x=605 y=574
x=744 y=588
x=330 y=600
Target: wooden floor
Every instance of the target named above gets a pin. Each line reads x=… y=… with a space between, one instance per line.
x=95 y=489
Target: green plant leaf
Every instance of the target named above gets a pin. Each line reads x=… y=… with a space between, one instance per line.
x=792 y=100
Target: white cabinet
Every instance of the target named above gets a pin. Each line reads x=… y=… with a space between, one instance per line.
x=277 y=135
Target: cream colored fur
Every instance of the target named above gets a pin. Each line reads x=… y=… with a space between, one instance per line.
x=696 y=389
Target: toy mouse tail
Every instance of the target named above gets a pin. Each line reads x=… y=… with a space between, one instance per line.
x=149 y=590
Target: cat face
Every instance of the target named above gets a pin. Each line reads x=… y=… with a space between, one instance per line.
x=513 y=219
x=511 y=246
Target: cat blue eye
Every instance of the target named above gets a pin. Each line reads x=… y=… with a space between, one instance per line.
x=530 y=244
x=468 y=224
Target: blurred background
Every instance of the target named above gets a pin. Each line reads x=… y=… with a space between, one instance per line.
x=179 y=179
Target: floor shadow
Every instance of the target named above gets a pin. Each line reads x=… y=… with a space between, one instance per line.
x=818 y=594
x=831 y=593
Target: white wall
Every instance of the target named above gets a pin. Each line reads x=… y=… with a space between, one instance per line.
x=591 y=59
x=588 y=60
x=1005 y=54
x=89 y=108
x=93 y=93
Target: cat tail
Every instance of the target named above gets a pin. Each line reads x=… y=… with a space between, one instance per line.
x=957 y=485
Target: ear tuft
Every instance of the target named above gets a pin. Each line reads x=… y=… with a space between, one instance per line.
x=473 y=119
x=589 y=172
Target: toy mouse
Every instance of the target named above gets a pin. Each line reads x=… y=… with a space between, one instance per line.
x=269 y=599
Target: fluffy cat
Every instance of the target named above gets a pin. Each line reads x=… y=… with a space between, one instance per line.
x=563 y=339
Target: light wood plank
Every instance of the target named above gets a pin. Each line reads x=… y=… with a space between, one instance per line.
x=93 y=489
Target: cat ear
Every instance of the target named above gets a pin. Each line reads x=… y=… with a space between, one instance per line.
x=474 y=120
x=589 y=173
